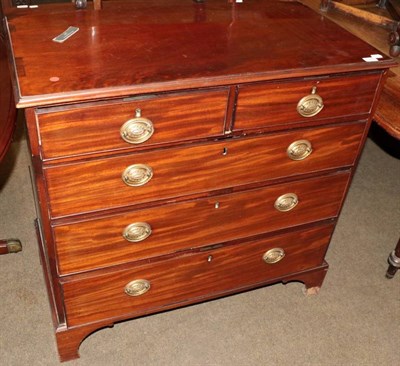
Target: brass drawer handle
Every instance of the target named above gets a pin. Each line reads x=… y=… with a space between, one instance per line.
x=299 y=149
x=311 y=104
x=286 y=202
x=138 y=231
x=137 y=175
x=273 y=255
x=137 y=287
x=137 y=130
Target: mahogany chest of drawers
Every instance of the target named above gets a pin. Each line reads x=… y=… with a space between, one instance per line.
x=181 y=157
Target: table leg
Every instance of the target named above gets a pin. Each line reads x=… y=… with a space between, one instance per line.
x=394 y=261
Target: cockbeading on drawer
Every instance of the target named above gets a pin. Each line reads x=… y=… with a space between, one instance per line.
x=176 y=227
x=141 y=289
x=131 y=123
x=103 y=184
x=265 y=105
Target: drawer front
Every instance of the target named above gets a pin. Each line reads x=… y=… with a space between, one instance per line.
x=163 y=119
x=269 y=104
x=157 y=231
x=191 y=277
x=164 y=174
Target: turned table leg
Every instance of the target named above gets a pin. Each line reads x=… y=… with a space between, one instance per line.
x=394 y=40
x=10 y=246
x=394 y=261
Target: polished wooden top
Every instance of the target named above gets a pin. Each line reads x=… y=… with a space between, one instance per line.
x=145 y=46
x=387 y=114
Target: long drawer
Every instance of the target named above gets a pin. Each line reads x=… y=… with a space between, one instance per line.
x=269 y=104
x=163 y=174
x=143 y=121
x=190 y=277
x=167 y=229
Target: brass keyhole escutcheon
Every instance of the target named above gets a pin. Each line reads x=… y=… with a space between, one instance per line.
x=311 y=104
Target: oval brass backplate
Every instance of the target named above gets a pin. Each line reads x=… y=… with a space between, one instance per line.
x=299 y=150
x=311 y=104
x=137 y=175
x=137 y=287
x=137 y=130
x=137 y=231
x=286 y=202
x=273 y=255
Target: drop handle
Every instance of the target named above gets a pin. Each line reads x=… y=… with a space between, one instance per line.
x=137 y=175
x=137 y=232
x=286 y=202
x=311 y=104
x=299 y=150
x=137 y=130
x=274 y=255
x=137 y=287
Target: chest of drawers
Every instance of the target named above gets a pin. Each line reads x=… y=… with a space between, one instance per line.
x=169 y=171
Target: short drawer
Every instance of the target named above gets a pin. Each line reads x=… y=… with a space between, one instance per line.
x=190 y=277
x=120 y=125
x=270 y=104
x=171 y=228
x=165 y=174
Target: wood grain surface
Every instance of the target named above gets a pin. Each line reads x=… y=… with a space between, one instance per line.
x=175 y=117
x=97 y=185
x=182 y=47
x=388 y=109
x=388 y=112
x=7 y=104
x=269 y=104
x=193 y=276
x=216 y=174
x=99 y=243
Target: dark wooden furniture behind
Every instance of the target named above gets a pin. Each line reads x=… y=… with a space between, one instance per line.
x=387 y=114
x=7 y=123
x=388 y=117
x=189 y=155
x=368 y=10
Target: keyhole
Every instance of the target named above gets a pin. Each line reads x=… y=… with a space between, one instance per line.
x=210 y=258
x=225 y=151
x=216 y=205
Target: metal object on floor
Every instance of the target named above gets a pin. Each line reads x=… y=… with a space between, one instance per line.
x=10 y=246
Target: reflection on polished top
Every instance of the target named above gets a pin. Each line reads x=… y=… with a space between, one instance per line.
x=142 y=46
